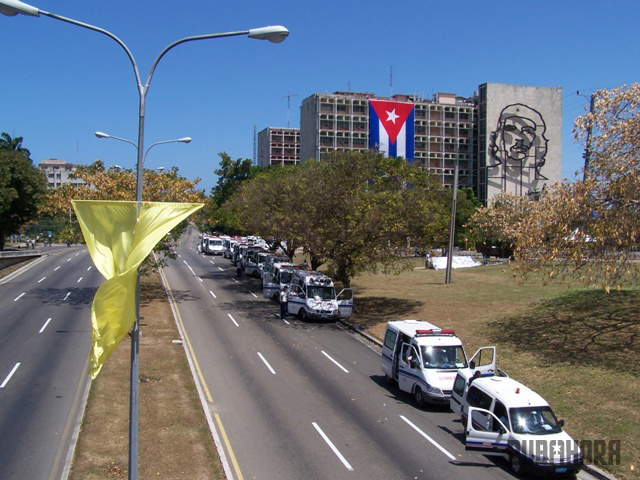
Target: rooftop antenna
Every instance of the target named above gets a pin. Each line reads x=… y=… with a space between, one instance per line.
x=288 y=97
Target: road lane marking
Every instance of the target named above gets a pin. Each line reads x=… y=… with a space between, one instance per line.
x=199 y=279
x=339 y=366
x=211 y=262
x=68 y=259
x=6 y=380
x=235 y=280
x=212 y=294
x=233 y=320
x=220 y=269
x=89 y=268
x=253 y=294
x=436 y=444
x=19 y=296
x=77 y=254
x=228 y=444
x=66 y=296
x=41 y=279
x=333 y=447
x=266 y=363
x=45 y=325
x=79 y=280
x=55 y=269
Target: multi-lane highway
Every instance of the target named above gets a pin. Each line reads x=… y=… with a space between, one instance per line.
x=293 y=399
x=285 y=399
x=45 y=334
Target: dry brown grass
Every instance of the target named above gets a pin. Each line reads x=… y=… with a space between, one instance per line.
x=577 y=348
x=175 y=442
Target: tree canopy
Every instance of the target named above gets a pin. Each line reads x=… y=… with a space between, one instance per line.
x=22 y=187
x=357 y=210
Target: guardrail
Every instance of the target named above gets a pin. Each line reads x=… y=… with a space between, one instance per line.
x=11 y=257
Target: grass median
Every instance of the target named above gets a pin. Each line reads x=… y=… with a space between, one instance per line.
x=174 y=438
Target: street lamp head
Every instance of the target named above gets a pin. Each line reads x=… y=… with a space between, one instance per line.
x=275 y=33
x=185 y=140
x=102 y=135
x=14 y=7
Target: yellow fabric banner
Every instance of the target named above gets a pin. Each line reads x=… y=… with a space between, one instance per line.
x=118 y=242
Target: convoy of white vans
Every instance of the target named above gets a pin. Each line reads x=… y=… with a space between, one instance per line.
x=499 y=415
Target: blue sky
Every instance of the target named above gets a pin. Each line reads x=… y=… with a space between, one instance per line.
x=61 y=83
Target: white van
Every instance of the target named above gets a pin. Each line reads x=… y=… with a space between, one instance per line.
x=502 y=417
x=312 y=295
x=214 y=246
x=424 y=359
x=274 y=280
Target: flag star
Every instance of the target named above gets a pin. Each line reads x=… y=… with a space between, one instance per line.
x=392 y=116
x=556 y=449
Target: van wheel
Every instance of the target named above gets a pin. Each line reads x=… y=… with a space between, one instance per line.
x=418 y=396
x=516 y=466
x=303 y=315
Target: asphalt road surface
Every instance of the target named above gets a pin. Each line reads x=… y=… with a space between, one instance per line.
x=297 y=400
x=45 y=334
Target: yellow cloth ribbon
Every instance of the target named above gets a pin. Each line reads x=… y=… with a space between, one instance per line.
x=118 y=241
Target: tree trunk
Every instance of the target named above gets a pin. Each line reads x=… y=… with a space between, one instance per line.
x=342 y=275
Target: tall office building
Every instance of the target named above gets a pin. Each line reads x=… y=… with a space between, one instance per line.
x=503 y=138
x=58 y=172
x=278 y=147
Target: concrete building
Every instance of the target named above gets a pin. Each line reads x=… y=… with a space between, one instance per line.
x=278 y=146
x=58 y=172
x=520 y=135
x=437 y=133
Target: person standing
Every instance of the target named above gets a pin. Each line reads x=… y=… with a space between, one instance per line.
x=284 y=302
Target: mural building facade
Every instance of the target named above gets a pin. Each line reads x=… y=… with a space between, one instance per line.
x=504 y=138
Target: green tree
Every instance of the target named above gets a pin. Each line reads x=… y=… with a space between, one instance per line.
x=13 y=144
x=359 y=211
x=22 y=190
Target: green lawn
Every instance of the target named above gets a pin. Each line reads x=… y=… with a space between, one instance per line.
x=576 y=347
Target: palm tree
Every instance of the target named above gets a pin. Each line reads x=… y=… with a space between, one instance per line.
x=14 y=144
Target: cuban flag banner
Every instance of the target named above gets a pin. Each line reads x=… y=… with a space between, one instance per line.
x=391 y=128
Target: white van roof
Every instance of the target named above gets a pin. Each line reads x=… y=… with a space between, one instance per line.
x=510 y=392
x=425 y=333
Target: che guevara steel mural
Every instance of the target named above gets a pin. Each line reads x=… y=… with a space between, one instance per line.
x=518 y=146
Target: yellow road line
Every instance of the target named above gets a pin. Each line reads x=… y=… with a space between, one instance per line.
x=226 y=442
x=232 y=455
x=186 y=338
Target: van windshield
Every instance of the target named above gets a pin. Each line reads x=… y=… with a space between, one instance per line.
x=450 y=356
x=323 y=293
x=285 y=277
x=534 y=420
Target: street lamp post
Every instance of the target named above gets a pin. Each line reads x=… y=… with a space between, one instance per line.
x=275 y=34
x=144 y=157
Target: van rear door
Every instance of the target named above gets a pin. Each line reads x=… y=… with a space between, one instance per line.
x=484 y=361
x=345 y=302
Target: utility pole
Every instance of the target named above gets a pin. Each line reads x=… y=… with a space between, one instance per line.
x=452 y=225
x=587 y=147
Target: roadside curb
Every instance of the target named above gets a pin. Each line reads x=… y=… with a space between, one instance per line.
x=353 y=328
x=597 y=472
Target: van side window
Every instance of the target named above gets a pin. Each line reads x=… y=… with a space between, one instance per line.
x=458 y=386
x=500 y=411
x=390 y=339
x=478 y=398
